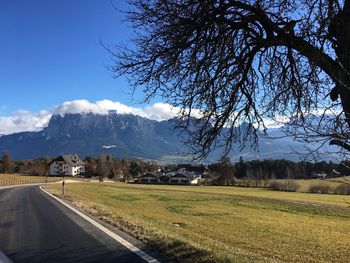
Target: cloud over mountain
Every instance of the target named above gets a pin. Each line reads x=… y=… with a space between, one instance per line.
x=24 y=120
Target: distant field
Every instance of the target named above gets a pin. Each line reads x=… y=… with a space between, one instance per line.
x=345 y=179
x=15 y=179
x=223 y=224
x=306 y=183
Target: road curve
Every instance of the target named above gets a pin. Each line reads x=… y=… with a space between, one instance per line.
x=35 y=228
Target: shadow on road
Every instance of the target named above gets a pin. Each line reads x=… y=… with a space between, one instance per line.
x=64 y=254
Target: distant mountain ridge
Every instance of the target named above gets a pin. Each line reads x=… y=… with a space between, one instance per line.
x=121 y=135
x=125 y=136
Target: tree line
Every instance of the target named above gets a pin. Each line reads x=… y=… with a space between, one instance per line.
x=223 y=172
x=123 y=169
x=35 y=167
x=102 y=166
x=263 y=170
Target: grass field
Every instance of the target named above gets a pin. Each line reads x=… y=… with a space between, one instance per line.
x=15 y=179
x=345 y=179
x=223 y=224
x=306 y=183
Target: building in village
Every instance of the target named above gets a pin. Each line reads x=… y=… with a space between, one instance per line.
x=67 y=165
x=181 y=177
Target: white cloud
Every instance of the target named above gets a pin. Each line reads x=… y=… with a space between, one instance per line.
x=23 y=120
x=277 y=122
x=164 y=111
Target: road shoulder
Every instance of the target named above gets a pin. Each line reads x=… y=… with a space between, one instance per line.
x=134 y=245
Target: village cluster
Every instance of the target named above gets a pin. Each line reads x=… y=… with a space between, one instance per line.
x=71 y=165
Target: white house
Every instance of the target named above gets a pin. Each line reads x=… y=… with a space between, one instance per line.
x=196 y=180
x=69 y=165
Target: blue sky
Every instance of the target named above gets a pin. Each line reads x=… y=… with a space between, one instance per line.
x=52 y=62
x=50 y=53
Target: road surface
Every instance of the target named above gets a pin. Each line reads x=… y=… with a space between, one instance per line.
x=36 y=228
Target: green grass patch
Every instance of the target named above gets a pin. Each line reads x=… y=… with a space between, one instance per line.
x=223 y=224
x=163 y=198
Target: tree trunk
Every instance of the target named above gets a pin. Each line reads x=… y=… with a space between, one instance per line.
x=341 y=32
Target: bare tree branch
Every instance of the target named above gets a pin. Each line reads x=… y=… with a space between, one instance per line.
x=242 y=62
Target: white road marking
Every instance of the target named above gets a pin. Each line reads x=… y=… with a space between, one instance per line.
x=119 y=239
x=3 y=258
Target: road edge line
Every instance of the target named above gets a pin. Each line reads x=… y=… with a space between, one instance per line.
x=113 y=235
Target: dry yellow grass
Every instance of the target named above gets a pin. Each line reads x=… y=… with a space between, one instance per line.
x=344 y=179
x=306 y=183
x=223 y=224
x=15 y=179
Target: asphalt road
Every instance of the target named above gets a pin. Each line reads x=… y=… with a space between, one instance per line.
x=36 y=228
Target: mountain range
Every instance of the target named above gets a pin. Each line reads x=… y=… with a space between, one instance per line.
x=130 y=136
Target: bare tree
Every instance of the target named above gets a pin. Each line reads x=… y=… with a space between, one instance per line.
x=102 y=166
x=244 y=61
x=7 y=164
x=134 y=169
x=227 y=171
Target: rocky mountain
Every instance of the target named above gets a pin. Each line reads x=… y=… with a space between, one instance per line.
x=126 y=136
